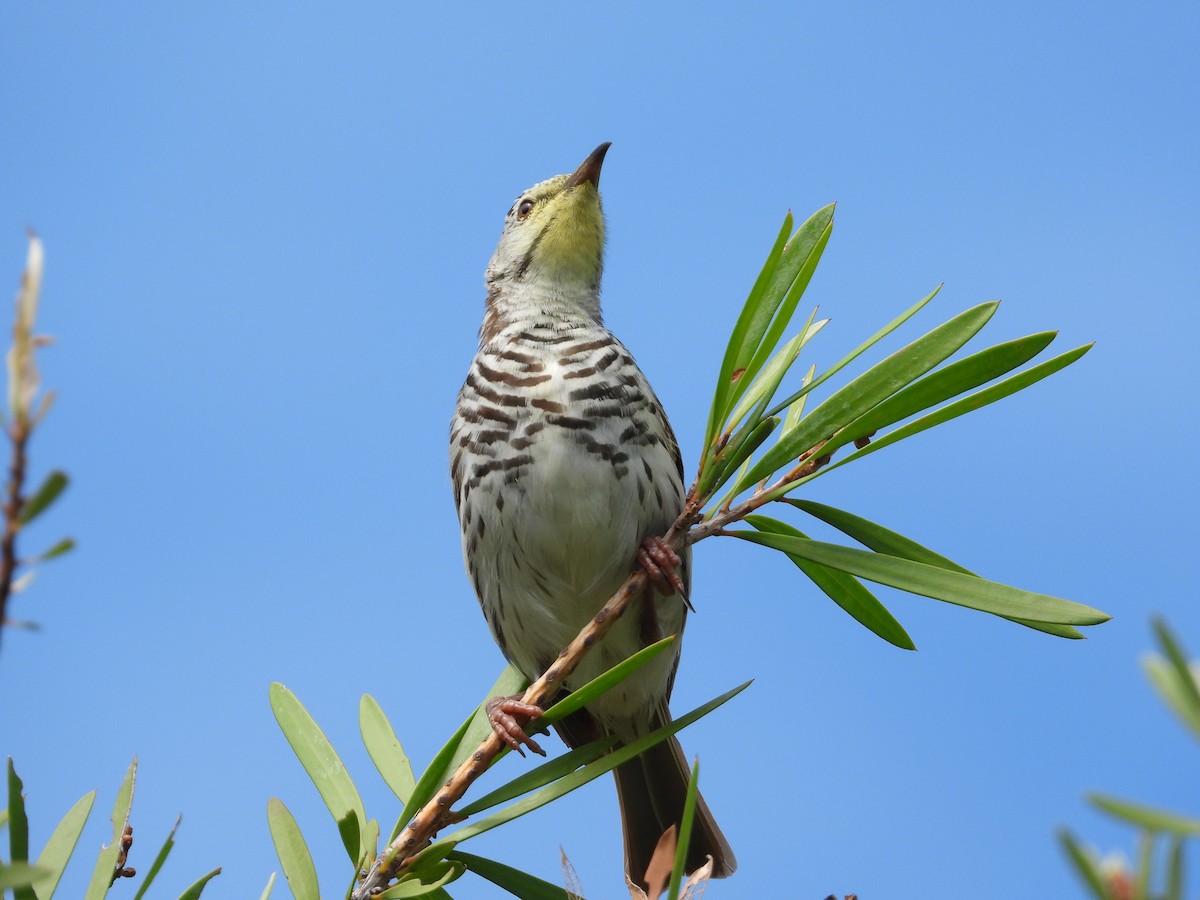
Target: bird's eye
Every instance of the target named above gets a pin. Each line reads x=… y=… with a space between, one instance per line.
x=524 y=209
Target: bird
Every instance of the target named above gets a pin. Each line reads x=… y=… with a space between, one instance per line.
x=566 y=474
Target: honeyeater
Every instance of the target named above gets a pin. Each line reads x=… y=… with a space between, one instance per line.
x=565 y=473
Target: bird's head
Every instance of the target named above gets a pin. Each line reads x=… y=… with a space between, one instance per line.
x=554 y=233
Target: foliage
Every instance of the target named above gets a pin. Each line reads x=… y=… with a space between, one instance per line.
x=26 y=410
x=1154 y=877
x=38 y=879
x=741 y=470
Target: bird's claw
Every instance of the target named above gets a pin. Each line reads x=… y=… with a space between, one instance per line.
x=509 y=716
x=661 y=565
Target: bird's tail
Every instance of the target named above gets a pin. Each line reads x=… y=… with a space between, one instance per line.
x=651 y=790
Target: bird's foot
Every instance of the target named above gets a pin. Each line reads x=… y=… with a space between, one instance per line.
x=509 y=716
x=661 y=565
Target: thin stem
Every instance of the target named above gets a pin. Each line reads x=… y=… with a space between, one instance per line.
x=13 y=503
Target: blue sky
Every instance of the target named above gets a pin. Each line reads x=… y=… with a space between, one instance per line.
x=265 y=232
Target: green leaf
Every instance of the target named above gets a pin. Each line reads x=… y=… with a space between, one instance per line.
x=791 y=278
x=323 y=766
x=738 y=338
x=857 y=351
x=975 y=401
x=871 y=388
x=1170 y=687
x=1175 y=870
x=266 y=894
x=18 y=823
x=540 y=776
x=18 y=832
x=159 y=860
x=62 y=548
x=954 y=379
x=884 y=540
x=18 y=876
x=106 y=863
x=842 y=589
x=518 y=883
x=930 y=581
x=196 y=889
x=1147 y=817
x=57 y=852
x=593 y=689
x=1188 y=688
x=292 y=851
x=55 y=483
x=764 y=386
x=384 y=748
x=685 y=832
x=425 y=883
x=1085 y=866
x=588 y=773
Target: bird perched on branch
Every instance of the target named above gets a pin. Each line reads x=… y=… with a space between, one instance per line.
x=566 y=472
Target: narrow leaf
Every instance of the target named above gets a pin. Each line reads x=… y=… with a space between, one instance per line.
x=384 y=748
x=873 y=387
x=57 y=852
x=857 y=351
x=685 y=832
x=967 y=404
x=768 y=380
x=18 y=830
x=603 y=682
x=1147 y=817
x=518 y=883
x=588 y=773
x=424 y=883
x=18 y=876
x=540 y=776
x=323 y=766
x=194 y=892
x=61 y=548
x=106 y=863
x=1170 y=687
x=55 y=483
x=292 y=851
x=956 y=378
x=792 y=276
x=738 y=337
x=266 y=894
x=930 y=581
x=159 y=860
x=1175 y=869
x=1188 y=687
x=842 y=589
x=1085 y=866
x=884 y=540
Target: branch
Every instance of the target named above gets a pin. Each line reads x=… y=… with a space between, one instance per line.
x=418 y=834
x=420 y=831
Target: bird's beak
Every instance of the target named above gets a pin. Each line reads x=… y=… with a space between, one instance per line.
x=589 y=171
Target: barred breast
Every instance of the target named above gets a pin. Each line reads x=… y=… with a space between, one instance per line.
x=563 y=462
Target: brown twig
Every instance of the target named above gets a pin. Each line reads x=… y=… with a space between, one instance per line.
x=18 y=433
x=121 y=870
